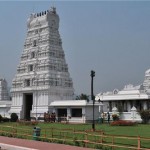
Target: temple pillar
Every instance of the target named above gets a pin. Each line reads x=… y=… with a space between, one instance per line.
x=145 y=105
x=133 y=113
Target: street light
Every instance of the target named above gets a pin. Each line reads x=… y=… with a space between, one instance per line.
x=35 y=77
x=92 y=97
x=98 y=98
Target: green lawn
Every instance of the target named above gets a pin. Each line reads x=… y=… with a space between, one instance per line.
x=138 y=130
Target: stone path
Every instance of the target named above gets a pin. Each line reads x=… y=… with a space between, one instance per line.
x=22 y=144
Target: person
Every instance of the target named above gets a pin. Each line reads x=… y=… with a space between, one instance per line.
x=102 y=117
x=54 y=117
x=108 y=117
x=44 y=116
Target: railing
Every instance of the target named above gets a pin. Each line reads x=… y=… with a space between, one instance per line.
x=86 y=138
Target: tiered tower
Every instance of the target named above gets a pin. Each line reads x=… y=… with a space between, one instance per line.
x=146 y=83
x=42 y=75
x=4 y=95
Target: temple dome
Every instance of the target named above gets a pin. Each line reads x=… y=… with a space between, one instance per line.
x=147 y=72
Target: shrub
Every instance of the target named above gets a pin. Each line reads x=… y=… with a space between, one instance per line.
x=123 y=123
x=145 y=116
x=13 y=117
x=1 y=118
x=115 y=117
x=5 y=119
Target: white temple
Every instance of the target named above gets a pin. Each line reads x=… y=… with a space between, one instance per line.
x=42 y=74
x=5 y=102
x=137 y=97
x=42 y=82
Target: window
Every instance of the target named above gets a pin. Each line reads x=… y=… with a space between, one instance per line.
x=34 y=43
x=76 y=112
x=148 y=104
x=27 y=82
x=32 y=54
x=30 y=67
x=36 y=31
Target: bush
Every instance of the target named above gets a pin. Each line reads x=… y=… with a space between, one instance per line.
x=123 y=123
x=5 y=119
x=13 y=117
x=1 y=118
x=145 y=116
x=115 y=117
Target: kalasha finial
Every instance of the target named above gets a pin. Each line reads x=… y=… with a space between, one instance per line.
x=53 y=10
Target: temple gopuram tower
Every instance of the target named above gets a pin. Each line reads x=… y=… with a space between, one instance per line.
x=42 y=74
x=4 y=95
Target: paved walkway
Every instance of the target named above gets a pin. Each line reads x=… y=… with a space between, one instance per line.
x=22 y=144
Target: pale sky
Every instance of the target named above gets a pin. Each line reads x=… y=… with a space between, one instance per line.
x=111 y=37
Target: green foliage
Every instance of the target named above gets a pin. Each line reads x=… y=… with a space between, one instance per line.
x=19 y=137
x=98 y=147
x=76 y=142
x=46 y=140
x=145 y=116
x=82 y=97
x=5 y=119
x=1 y=118
x=106 y=148
x=115 y=117
x=13 y=117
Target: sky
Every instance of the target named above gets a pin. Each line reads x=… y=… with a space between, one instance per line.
x=110 y=37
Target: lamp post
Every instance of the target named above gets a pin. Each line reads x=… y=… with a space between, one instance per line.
x=35 y=97
x=92 y=97
x=100 y=104
x=98 y=99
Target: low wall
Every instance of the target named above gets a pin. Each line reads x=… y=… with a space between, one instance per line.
x=132 y=116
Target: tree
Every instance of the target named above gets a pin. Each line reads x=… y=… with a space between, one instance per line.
x=145 y=116
x=82 y=97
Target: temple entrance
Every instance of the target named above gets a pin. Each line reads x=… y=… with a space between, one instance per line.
x=62 y=112
x=27 y=105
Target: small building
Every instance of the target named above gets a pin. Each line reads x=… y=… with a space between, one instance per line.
x=125 y=99
x=5 y=102
x=75 y=111
x=130 y=98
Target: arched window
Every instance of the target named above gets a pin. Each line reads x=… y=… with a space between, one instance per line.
x=34 y=43
x=32 y=55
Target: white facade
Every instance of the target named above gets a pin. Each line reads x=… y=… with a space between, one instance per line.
x=5 y=102
x=42 y=74
x=4 y=95
x=128 y=98
x=86 y=110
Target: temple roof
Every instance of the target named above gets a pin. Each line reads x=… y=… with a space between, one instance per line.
x=129 y=92
x=69 y=103
x=147 y=72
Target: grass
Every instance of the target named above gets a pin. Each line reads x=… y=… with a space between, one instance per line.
x=138 y=130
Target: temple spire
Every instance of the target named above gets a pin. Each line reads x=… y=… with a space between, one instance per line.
x=42 y=75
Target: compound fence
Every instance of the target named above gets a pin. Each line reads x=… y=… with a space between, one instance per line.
x=97 y=139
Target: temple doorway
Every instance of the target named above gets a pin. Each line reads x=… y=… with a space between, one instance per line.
x=62 y=112
x=27 y=105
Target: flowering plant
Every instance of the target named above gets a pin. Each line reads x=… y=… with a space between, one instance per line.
x=115 y=117
x=123 y=123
